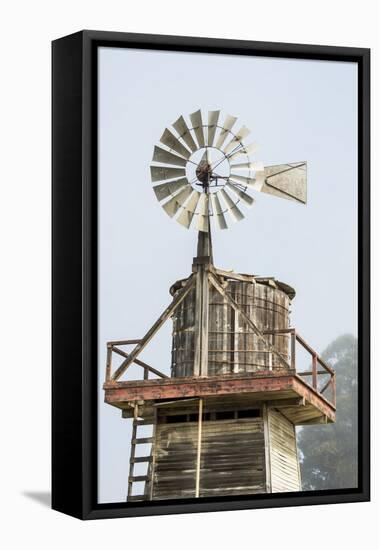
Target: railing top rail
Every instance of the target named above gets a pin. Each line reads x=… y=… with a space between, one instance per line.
x=122 y=342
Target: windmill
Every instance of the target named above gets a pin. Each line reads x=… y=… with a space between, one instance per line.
x=224 y=422
x=213 y=185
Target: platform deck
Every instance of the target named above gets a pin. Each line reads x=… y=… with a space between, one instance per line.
x=297 y=400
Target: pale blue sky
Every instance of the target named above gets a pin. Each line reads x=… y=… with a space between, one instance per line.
x=297 y=110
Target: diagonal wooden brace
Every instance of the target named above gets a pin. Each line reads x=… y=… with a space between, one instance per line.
x=140 y=363
x=218 y=286
x=154 y=329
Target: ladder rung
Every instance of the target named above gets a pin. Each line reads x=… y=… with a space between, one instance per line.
x=132 y=479
x=142 y=440
x=142 y=422
x=136 y=498
x=141 y=459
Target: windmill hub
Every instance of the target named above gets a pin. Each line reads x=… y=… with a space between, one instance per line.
x=204 y=173
x=208 y=169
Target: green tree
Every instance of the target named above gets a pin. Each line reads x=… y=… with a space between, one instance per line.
x=328 y=453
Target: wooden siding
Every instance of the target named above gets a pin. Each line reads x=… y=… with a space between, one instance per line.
x=175 y=460
x=233 y=346
x=284 y=462
x=232 y=458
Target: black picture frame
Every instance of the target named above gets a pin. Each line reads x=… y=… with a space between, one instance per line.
x=74 y=271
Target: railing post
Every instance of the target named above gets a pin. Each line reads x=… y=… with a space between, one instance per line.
x=109 y=363
x=314 y=371
x=145 y=373
x=293 y=350
x=334 y=397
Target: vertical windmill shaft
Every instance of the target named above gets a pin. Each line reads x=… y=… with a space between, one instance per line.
x=201 y=268
x=201 y=265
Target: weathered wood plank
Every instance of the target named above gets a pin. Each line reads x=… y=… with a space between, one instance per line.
x=141 y=459
x=283 y=453
x=141 y=440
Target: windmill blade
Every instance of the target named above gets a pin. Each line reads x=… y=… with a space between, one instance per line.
x=241 y=194
x=203 y=223
x=193 y=201
x=255 y=166
x=172 y=142
x=251 y=148
x=185 y=217
x=197 y=124
x=226 y=127
x=203 y=213
x=181 y=127
x=218 y=212
x=165 y=157
x=173 y=205
x=232 y=207
x=212 y=126
x=159 y=173
x=236 y=141
x=204 y=158
x=164 y=190
x=287 y=181
x=203 y=206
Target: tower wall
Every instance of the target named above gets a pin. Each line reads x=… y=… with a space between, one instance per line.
x=233 y=346
x=253 y=451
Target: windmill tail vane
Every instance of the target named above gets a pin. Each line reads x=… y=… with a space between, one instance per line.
x=203 y=171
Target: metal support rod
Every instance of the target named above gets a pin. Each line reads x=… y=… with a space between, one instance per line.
x=198 y=458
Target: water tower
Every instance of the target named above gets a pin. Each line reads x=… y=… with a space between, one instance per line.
x=224 y=422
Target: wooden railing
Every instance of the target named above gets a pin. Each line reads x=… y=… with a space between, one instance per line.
x=316 y=363
x=319 y=367
x=112 y=348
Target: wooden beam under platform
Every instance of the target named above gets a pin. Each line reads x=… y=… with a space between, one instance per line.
x=297 y=400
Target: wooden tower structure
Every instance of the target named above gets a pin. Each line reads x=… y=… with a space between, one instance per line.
x=224 y=422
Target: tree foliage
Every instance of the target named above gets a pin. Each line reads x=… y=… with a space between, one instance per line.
x=328 y=453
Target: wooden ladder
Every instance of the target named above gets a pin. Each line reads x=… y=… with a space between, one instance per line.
x=146 y=495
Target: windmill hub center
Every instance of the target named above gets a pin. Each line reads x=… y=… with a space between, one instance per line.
x=204 y=173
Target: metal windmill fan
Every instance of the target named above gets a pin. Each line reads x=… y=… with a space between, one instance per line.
x=206 y=169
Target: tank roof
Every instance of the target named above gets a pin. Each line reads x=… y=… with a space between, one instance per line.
x=244 y=277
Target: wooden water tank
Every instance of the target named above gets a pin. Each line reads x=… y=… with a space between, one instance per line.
x=233 y=347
